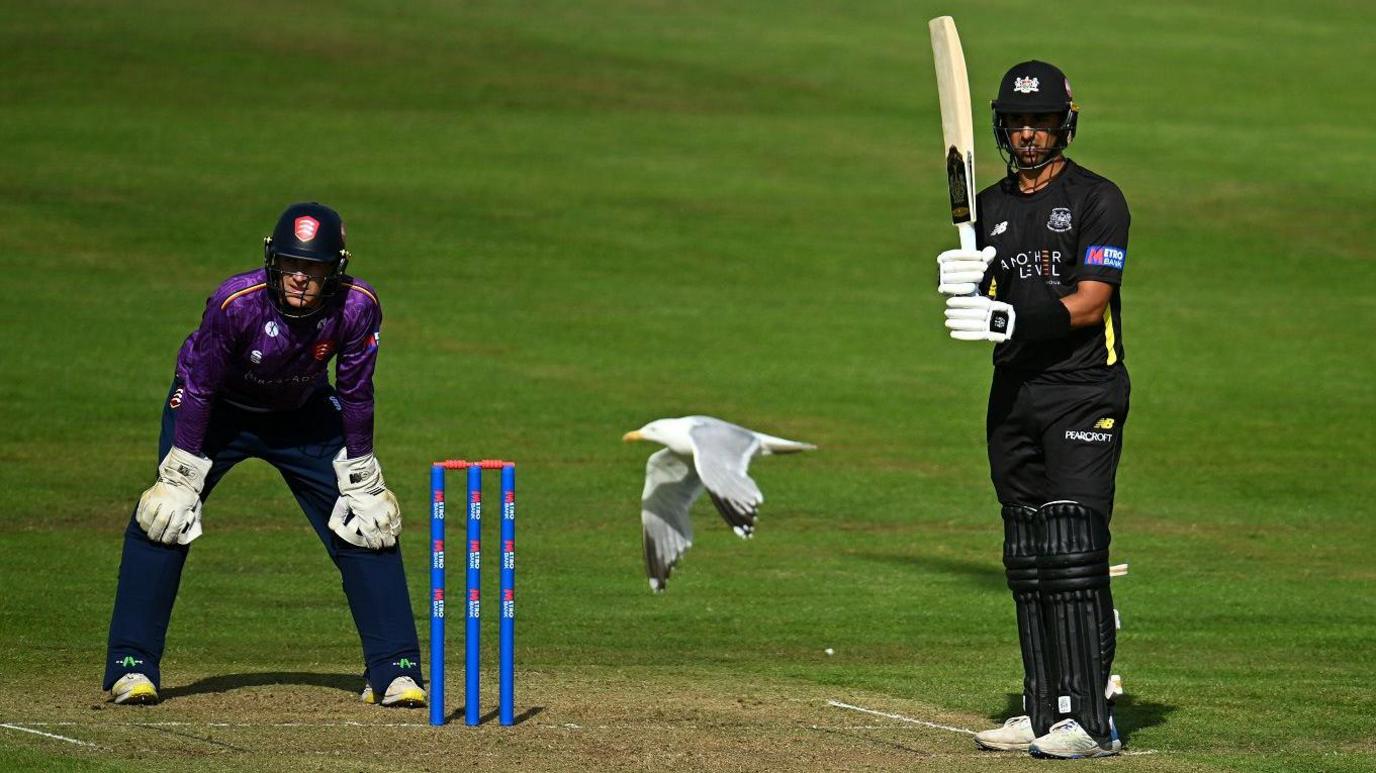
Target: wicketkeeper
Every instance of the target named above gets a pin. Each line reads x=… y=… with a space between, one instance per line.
x=1045 y=288
x=252 y=382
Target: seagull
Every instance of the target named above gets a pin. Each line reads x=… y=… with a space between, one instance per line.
x=701 y=452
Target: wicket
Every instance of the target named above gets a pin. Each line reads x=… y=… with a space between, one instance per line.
x=472 y=586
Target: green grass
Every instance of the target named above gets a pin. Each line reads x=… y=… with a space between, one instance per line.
x=581 y=216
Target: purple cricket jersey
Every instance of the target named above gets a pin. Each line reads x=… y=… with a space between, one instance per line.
x=247 y=353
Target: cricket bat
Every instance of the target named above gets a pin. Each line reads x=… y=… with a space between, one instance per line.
x=957 y=126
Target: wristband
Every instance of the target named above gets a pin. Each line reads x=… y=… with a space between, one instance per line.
x=1042 y=321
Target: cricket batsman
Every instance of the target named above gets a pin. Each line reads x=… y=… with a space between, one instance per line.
x=252 y=382
x=1044 y=287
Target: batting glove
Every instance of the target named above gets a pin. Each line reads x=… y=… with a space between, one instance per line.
x=366 y=513
x=963 y=270
x=977 y=318
x=170 y=510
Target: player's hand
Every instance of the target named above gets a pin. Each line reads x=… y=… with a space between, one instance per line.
x=170 y=510
x=977 y=318
x=366 y=514
x=962 y=270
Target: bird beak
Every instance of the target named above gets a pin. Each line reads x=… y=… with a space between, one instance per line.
x=631 y=437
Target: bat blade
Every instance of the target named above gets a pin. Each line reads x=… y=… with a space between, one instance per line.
x=957 y=125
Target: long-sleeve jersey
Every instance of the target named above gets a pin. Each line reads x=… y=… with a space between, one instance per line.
x=246 y=353
x=1075 y=228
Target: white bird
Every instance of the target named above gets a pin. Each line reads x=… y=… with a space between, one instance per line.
x=702 y=452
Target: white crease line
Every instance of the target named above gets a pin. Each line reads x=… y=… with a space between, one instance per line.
x=45 y=735
x=900 y=718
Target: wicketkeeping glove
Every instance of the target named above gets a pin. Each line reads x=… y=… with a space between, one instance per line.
x=962 y=270
x=977 y=318
x=170 y=510
x=366 y=514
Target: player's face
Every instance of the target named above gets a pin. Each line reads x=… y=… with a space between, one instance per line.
x=1032 y=135
x=302 y=281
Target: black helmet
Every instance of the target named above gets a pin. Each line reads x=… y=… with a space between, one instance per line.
x=306 y=231
x=1034 y=87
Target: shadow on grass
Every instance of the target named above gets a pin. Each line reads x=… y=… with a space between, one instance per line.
x=352 y=683
x=457 y=715
x=984 y=574
x=1130 y=713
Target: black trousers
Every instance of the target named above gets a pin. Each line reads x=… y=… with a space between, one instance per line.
x=1057 y=436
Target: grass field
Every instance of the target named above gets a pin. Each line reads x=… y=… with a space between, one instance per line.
x=582 y=216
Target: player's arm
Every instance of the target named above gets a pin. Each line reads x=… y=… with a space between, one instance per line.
x=1086 y=305
x=170 y=510
x=366 y=514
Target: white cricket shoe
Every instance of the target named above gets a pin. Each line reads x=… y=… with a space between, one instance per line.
x=1066 y=740
x=1015 y=736
x=403 y=692
x=134 y=689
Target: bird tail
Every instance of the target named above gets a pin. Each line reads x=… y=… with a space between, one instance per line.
x=778 y=445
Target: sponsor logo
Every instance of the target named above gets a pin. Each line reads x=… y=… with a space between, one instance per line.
x=306 y=227
x=404 y=663
x=1105 y=255
x=1063 y=704
x=175 y=401
x=1025 y=85
x=323 y=350
x=128 y=661
x=321 y=324
x=1000 y=228
x=252 y=377
x=1104 y=424
x=255 y=356
x=271 y=329
x=1088 y=437
x=1045 y=264
x=335 y=402
x=1068 y=95
x=1059 y=221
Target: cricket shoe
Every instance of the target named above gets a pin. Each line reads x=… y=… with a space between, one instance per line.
x=1066 y=740
x=134 y=689
x=403 y=693
x=1015 y=736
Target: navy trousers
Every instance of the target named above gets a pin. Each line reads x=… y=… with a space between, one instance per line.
x=301 y=444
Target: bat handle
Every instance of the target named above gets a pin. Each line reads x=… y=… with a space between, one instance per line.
x=967 y=236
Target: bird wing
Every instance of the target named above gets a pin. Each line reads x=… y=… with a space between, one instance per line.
x=722 y=454
x=671 y=487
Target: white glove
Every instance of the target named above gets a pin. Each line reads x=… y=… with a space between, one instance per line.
x=170 y=510
x=962 y=270
x=366 y=514
x=977 y=318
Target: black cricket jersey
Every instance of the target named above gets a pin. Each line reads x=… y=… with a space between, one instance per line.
x=1075 y=228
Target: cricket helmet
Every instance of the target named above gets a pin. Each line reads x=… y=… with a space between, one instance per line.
x=1034 y=87
x=306 y=231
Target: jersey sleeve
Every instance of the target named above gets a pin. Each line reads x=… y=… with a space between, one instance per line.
x=206 y=364
x=354 y=377
x=1103 y=243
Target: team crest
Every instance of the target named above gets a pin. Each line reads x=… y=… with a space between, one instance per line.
x=306 y=227
x=1025 y=85
x=1059 y=220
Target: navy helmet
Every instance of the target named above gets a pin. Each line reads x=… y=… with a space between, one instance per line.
x=306 y=231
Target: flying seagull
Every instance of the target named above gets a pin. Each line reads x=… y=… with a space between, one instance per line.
x=702 y=452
